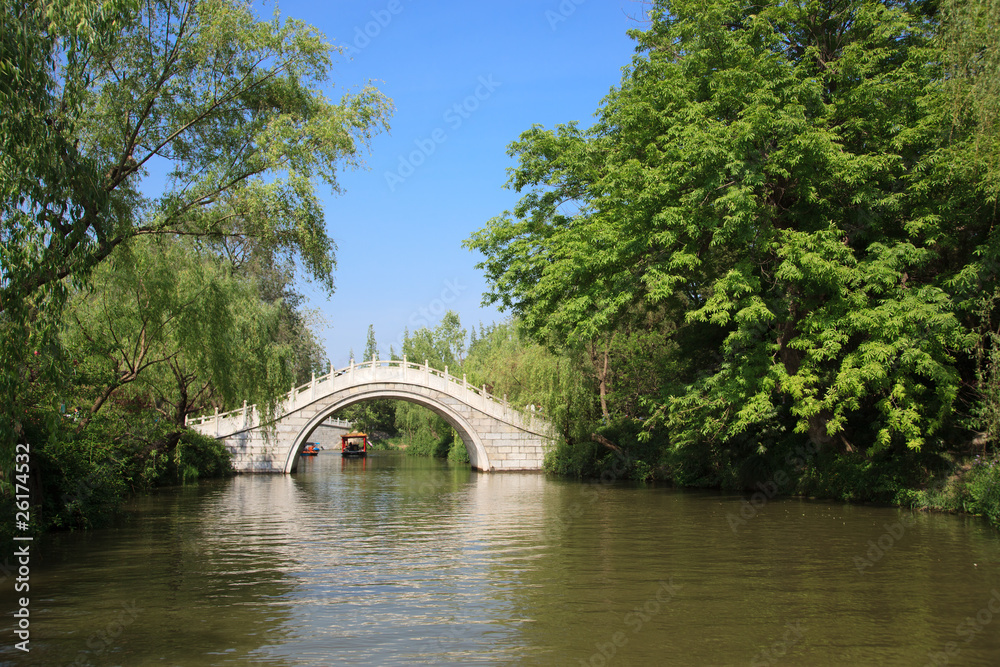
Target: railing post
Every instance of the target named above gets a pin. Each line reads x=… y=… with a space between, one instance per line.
x=312 y=387
x=404 y=368
x=216 y=421
x=484 y=396
x=446 y=375
x=465 y=381
x=351 y=372
x=427 y=373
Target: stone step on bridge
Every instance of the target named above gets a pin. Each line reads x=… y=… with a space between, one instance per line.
x=498 y=436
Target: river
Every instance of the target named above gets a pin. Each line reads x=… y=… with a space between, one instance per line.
x=400 y=561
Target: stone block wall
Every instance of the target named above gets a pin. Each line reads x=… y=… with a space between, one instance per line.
x=498 y=437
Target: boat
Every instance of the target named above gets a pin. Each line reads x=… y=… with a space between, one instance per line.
x=354 y=444
x=310 y=449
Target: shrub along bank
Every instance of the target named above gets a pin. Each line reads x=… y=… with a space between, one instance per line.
x=82 y=480
x=793 y=467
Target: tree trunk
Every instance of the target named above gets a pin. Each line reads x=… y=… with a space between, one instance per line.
x=601 y=440
x=604 y=383
x=601 y=373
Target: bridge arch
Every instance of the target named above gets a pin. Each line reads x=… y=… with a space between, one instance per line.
x=478 y=457
x=496 y=435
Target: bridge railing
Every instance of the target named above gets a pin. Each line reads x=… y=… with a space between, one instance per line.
x=301 y=395
x=426 y=368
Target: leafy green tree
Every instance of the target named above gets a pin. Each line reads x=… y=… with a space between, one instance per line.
x=36 y=39
x=972 y=59
x=371 y=345
x=971 y=46
x=99 y=95
x=275 y=280
x=786 y=179
x=164 y=329
x=532 y=377
x=180 y=328
x=444 y=345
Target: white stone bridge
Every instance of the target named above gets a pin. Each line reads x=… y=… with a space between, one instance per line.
x=498 y=436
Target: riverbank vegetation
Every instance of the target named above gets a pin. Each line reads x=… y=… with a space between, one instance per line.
x=772 y=260
x=774 y=255
x=159 y=170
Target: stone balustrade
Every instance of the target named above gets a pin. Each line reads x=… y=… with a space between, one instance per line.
x=497 y=435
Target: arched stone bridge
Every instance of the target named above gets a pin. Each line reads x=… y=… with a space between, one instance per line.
x=497 y=436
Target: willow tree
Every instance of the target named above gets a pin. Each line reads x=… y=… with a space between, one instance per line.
x=969 y=39
x=174 y=330
x=785 y=178
x=222 y=111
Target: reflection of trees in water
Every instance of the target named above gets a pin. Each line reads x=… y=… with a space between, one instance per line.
x=182 y=581
x=414 y=560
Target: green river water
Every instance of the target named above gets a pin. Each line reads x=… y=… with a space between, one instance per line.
x=400 y=561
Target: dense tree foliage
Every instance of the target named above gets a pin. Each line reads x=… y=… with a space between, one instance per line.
x=182 y=326
x=100 y=95
x=160 y=164
x=972 y=81
x=784 y=193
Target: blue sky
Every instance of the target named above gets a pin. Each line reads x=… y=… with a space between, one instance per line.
x=466 y=79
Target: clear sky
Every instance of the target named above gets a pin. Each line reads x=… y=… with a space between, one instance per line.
x=466 y=79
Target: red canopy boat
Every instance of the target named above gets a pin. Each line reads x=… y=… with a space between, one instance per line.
x=354 y=444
